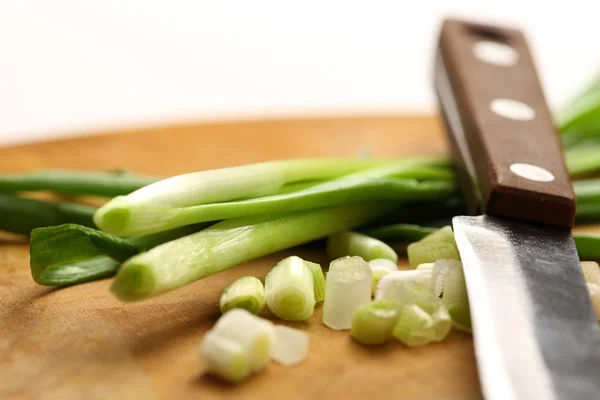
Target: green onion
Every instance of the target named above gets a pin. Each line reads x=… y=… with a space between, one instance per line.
x=455 y=297
x=69 y=254
x=151 y=210
x=19 y=215
x=356 y=244
x=587 y=191
x=439 y=274
x=239 y=344
x=583 y=160
x=400 y=232
x=591 y=272
x=423 y=266
x=580 y=119
x=290 y=290
x=247 y=292
x=588 y=246
x=428 y=252
x=393 y=286
x=77 y=183
x=348 y=285
x=442 y=235
x=380 y=267
x=417 y=327
x=318 y=280
x=290 y=346
x=374 y=322
x=594 y=291
x=229 y=243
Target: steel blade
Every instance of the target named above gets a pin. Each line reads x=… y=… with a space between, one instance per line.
x=536 y=336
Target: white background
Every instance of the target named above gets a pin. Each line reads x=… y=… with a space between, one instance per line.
x=75 y=67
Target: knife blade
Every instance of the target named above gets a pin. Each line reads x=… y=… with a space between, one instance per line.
x=535 y=333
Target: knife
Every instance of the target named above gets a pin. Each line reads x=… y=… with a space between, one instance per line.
x=534 y=328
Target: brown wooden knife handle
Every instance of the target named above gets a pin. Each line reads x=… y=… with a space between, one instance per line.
x=501 y=132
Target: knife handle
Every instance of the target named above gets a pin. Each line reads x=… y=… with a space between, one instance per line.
x=504 y=144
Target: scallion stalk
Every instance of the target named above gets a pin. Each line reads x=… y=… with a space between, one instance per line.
x=150 y=210
x=290 y=346
x=348 y=285
x=588 y=246
x=289 y=290
x=20 y=215
x=232 y=242
x=374 y=322
x=356 y=244
x=380 y=267
x=76 y=183
x=246 y=292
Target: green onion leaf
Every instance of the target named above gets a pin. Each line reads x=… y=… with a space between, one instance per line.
x=247 y=292
x=224 y=357
x=356 y=244
x=380 y=267
x=290 y=290
x=290 y=346
x=229 y=243
x=588 y=245
x=348 y=285
x=374 y=322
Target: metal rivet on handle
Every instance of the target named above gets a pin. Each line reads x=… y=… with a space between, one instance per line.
x=532 y=172
x=495 y=53
x=512 y=109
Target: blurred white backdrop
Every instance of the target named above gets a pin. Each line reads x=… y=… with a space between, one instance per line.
x=70 y=67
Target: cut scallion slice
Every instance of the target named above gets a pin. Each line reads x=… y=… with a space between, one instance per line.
x=348 y=285
x=356 y=244
x=290 y=346
x=455 y=297
x=428 y=252
x=374 y=322
x=380 y=267
x=441 y=270
x=393 y=286
x=444 y=235
x=224 y=357
x=595 y=297
x=247 y=292
x=290 y=290
x=417 y=327
x=318 y=280
x=255 y=334
x=425 y=266
x=591 y=272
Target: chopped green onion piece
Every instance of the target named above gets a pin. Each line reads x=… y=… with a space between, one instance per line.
x=290 y=290
x=356 y=244
x=255 y=334
x=417 y=327
x=290 y=346
x=393 y=286
x=318 y=280
x=224 y=357
x=427 y=252
x=229 y=243
x=247 y=292
x=455 y=297
x=374 y=322
x=591 y=272
x=595 y=297
x=348 y=285
x=444 y=235
x=380 y=267
x=425 y=266
x=441 y=270
x=588 y=244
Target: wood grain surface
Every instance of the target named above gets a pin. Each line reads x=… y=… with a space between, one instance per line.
x=82 y=343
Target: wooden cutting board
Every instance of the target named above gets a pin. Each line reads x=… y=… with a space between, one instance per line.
x=82 y=343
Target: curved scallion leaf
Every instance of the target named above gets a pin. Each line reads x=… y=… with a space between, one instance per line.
x=318 y=280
